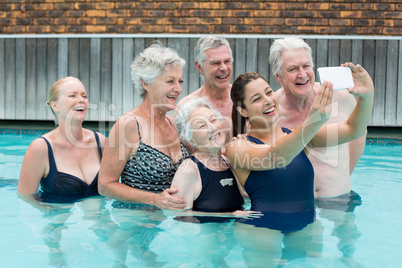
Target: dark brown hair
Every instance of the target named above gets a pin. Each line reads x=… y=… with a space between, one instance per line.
x=237 y=94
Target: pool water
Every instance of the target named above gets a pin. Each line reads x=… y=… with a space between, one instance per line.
x=91 y=233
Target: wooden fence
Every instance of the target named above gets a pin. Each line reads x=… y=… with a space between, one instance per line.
x=30 y=64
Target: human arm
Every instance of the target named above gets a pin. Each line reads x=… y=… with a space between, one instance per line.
x=122 y=144
x=355 y=126
x=245 y=155
x=33 y=167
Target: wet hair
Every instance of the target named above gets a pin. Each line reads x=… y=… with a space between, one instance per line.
x=237 y=94
x=152 y=63
x=54 y=92
x=281 y=45
x=181 y=120
x=208 y=42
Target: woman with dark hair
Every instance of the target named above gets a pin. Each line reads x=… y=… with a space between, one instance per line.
x=272 y=164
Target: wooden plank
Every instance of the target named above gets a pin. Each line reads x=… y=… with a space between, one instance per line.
x=369 y=62
x=399 y=98
x=240 y=57
x=73 y=57
x=333 y=52
x=20 y=77
x=116 y=107
x=41 y=80
x=62 y=58
x=232 y=44
x=181 y=45
x=106 y=78
x=194 y=79
x=31 y=78
x=84 y=66
x=251 y=54
x=10 y=78
x=379 y=82
x=95 y=79
x=128 y=88
x=313 y=45
x=357 y=51
x=84 y=61
x=263 y=67
x=139 y=46
x=271 y=78
x=345 y=54
x=391 y=83
x=52 y=64
x=321 y=56
x=2 y=80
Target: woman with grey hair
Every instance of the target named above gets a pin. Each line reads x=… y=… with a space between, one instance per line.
x=205 y=179
x=144 y=152
x=144 y=149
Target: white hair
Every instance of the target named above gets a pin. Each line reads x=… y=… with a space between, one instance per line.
x=208 y=42
x=182 y=118
x=151 y=63
x=281 y=45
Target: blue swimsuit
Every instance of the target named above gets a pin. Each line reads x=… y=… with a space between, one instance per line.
x=57 y=184
x=285 y=195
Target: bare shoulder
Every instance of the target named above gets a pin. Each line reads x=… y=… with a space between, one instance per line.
x=126 y=126
x=193 y=95
x=234 y=147
x=102 y=138
x=187 y=170
x=38 y=146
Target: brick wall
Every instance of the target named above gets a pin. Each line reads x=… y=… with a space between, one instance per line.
x=338 y=17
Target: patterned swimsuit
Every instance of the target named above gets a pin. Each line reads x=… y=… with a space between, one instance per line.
x=149 y=170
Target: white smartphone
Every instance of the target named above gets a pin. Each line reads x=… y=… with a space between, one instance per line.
x=341 y=77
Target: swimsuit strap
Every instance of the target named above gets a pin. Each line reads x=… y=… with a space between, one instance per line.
x=52 y=166
x=138 y=126
x=52 y=162
x=227 y=164
x=258 y=141
x=200 y=164
x=98 y=143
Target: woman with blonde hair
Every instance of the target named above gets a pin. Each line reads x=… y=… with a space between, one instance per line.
x=64 y=162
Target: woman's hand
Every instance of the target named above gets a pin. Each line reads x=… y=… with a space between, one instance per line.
x=166 y=200
x=363 y=83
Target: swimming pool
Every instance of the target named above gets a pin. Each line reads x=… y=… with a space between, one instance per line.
x=91 y=233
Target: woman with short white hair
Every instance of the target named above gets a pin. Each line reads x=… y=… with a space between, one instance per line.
x=205 y=179
x=144 y=148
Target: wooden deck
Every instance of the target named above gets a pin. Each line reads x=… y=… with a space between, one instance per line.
x=30 y=64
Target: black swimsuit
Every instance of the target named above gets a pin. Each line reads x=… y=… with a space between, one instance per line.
x=58 y=183
x=220 y=192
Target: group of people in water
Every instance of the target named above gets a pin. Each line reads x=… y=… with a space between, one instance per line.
x=287 y=150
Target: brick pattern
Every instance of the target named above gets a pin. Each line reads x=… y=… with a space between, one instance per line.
x=337 y=17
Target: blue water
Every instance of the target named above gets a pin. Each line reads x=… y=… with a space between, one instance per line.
x=91 y=233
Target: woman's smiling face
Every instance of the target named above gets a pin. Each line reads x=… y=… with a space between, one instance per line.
x=166 y=88
x=72 y=101
x=206 y=128
x=261 y=104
